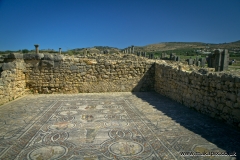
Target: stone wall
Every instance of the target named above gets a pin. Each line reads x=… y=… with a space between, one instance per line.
x=216 y=94
x=213 y=93
x=60 y=74
x=12 y=81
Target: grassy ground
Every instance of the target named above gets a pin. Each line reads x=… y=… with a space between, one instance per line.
x=234 y=66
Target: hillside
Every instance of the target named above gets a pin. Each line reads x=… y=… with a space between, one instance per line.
x=186 y=45
x=158 y=47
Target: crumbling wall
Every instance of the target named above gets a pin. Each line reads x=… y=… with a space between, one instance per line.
x=12 y=81
x=216 y=94
x=47 y=73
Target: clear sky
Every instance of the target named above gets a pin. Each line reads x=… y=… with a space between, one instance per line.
x=73 y=24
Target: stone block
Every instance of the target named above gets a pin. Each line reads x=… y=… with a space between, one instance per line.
x=83 y=73
x=229 y=104
x=8 y=66
x=30 y=56
x=232 y=97
x=236 y=105
x=190 y=61
x=15 y=56
x=1 y=82
x=47 y=63
x=73 y=67
x=48 y=56
x=236 y=114
x=58 y=57
x=105 y=76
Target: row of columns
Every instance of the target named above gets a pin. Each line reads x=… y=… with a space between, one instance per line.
x=129 y=49
x=37 y=49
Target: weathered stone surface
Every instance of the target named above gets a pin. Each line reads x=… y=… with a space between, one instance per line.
x=216 y=92
x=49 y=57
x=12 y=81
x=47 y=63
x=73 y=67
x=8 y=66
x=15 y=56
x=58 y=57
x=208 y=92
x=30 y=56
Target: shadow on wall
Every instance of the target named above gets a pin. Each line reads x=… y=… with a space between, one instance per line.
x=146 y=83
x=1 y=69
x=46 y=75
x=205 y=127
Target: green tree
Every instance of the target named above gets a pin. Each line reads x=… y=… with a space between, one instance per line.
x=25 y=51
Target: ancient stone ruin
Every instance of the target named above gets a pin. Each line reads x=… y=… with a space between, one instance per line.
x=216 y=94
x=219 y=60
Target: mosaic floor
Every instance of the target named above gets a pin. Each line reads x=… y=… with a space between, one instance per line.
x=125 y=126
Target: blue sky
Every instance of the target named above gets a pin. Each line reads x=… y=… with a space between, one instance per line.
x=73 y=24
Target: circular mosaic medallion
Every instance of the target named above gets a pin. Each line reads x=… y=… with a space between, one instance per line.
x=53 y=137
x=126 y=148
x=119 y=133
x=47 y=152
x=68 y=118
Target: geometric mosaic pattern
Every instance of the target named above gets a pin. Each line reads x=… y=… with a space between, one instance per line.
x=126 y=126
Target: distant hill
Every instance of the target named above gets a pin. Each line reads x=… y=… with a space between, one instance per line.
x=186 y=45
x=158 y=47
x=169 y=46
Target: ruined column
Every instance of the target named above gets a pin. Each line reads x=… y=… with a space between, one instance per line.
x=210 y=60
x=132 y=48
x=203 y=61
x=129 y=50
x=196 y=62
x=221 y=60
x=85 y=52
x=138 y=53
x=172 y=55
x=36 y=48
x=60 y=50
x=175 y=58
x=218 y=57
x=224 y=60
x=190 y=61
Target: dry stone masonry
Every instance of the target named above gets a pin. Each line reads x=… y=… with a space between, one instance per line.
x=58 y=74
x=55 y=73
x=214 y=93
x=12 y=81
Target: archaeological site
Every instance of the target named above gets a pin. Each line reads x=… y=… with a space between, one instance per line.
x=118 y=106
